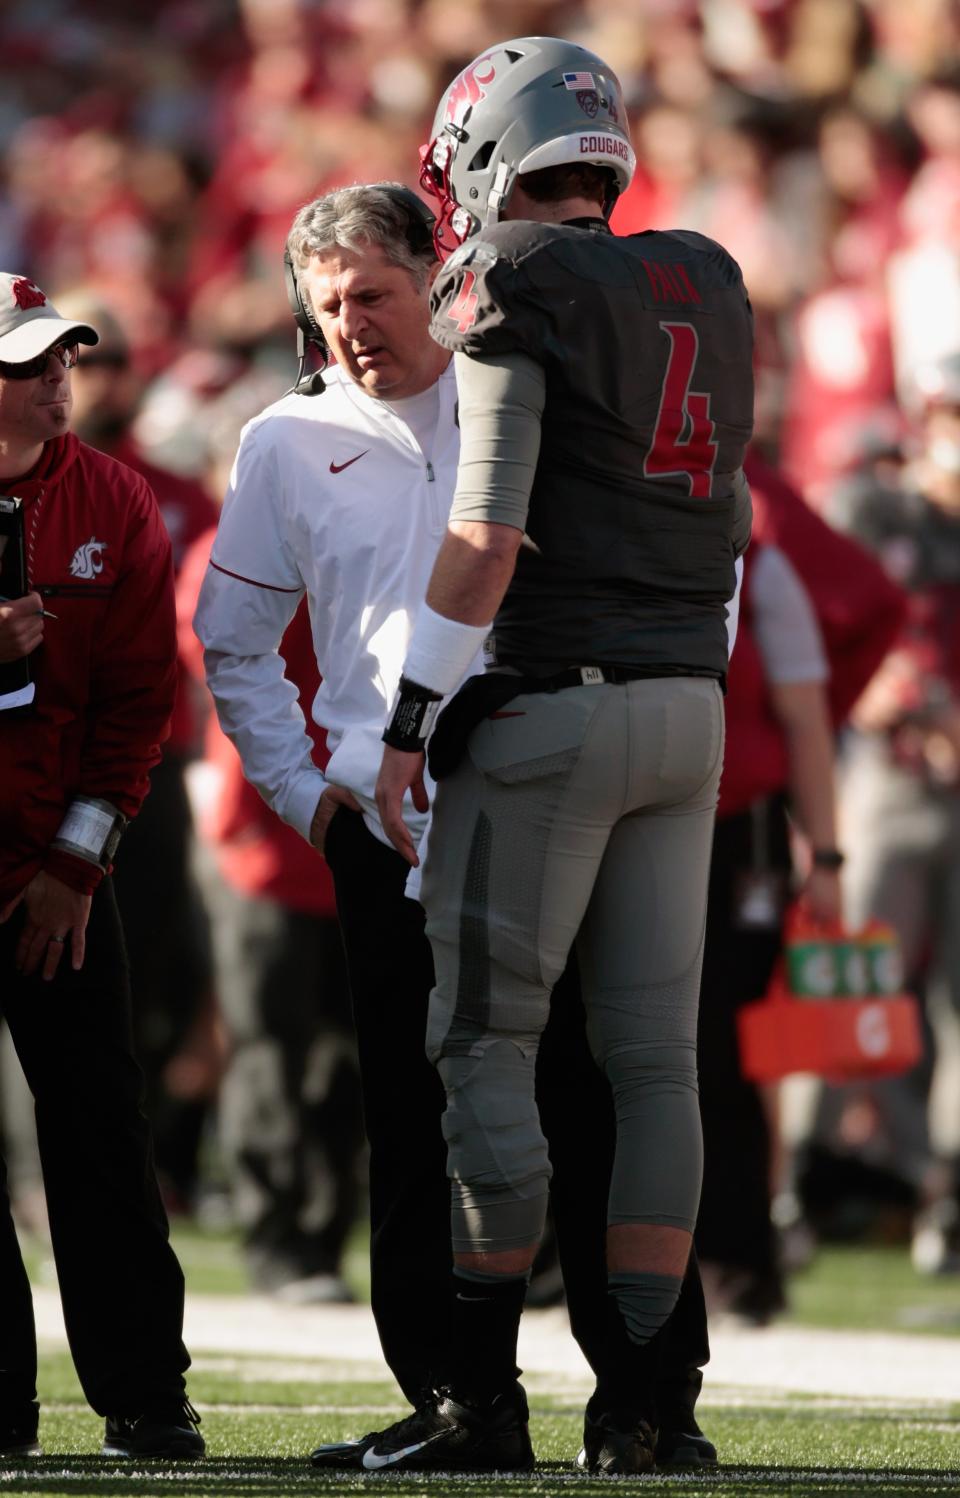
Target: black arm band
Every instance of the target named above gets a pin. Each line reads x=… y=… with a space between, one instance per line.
x=828 y=858
x=414 y=713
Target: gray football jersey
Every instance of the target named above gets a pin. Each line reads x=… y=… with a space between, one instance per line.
x=646 y=342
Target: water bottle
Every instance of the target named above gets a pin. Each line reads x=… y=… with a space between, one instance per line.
x=811 y=958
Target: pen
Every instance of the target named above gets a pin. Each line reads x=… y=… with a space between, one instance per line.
x=44 y=613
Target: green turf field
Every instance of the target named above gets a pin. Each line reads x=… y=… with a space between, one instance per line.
x=259 y=1423
x=261 y=1415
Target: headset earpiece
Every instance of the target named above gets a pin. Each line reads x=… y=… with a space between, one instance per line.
x=303 y=317
x=308 y=332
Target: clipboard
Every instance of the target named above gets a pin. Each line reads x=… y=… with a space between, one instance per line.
x=17 y=687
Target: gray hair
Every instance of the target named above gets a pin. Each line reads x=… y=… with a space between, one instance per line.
x=352 y=218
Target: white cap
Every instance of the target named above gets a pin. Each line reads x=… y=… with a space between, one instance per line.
x=29 y=324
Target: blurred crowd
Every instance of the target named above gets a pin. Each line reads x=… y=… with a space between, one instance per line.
x=152 y=157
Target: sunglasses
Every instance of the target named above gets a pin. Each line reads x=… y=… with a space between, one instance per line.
x=67 y=353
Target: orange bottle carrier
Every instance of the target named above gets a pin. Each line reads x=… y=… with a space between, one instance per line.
x=835 y=1007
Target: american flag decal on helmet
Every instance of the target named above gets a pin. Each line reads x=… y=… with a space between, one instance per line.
x=578 y=80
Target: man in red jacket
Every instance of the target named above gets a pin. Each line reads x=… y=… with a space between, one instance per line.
x=91 y=619
x=169 y=946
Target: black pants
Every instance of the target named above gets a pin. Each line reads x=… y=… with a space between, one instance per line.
x=290 y=1100
x=391 y=975
x=167 y=937
x=120 y=1283
x=734 y=1227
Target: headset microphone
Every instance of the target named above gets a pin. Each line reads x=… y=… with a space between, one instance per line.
x=313 y=384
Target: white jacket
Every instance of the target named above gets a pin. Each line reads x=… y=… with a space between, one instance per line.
x=330 y=495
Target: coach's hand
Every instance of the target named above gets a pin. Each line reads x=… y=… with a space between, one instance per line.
x=330 y=802
x=21 y=627
x=400 y=772
x=56 y=917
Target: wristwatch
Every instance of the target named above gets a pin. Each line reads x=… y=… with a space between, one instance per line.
x=828 y=858
x=91 y=830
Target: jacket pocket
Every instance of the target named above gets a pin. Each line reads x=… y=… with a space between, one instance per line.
x=64 y=660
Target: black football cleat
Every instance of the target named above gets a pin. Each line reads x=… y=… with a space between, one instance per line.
x=165 y=1430
x=18 y=1432
x=684 y=1448
x=617 y=1444
x=443 y=1435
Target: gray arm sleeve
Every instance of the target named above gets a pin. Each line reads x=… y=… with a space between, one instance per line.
x=501 y=402
x=784 y=623
x=743 y=513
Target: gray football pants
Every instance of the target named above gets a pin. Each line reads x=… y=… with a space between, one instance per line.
x=583 y=815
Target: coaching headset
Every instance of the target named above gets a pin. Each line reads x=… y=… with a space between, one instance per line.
x=419 y=236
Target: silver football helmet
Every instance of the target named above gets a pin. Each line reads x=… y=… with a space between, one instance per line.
x=520 y=106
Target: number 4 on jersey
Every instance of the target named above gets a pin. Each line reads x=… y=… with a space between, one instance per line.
x=464 y=309
x=683 y=438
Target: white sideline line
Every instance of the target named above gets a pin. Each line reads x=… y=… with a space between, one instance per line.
x=904 y=1367
x=757 y=1480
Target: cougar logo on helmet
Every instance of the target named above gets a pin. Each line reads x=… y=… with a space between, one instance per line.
x=469 y=88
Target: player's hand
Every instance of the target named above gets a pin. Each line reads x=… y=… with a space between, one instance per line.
x=56 y=917
x=821 y=895
x=21 y=627
x=332 y=799
x=400 y=772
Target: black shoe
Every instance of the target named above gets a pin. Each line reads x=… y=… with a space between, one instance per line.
x=18 y=1432
x=167 y=1428
x=617 y=1444
x=443 y=1435
x=683 y=1447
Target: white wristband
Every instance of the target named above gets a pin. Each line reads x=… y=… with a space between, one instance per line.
x=442 y=650
x=91 y=830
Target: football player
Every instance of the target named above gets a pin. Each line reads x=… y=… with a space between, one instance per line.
x=606 y=397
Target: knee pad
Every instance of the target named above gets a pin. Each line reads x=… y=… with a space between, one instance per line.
x=496 y=1153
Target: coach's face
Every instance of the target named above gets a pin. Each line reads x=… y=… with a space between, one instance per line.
x=38 y=408
x=376 y=320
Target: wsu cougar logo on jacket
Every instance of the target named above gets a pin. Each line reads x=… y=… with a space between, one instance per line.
x=87 y=559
